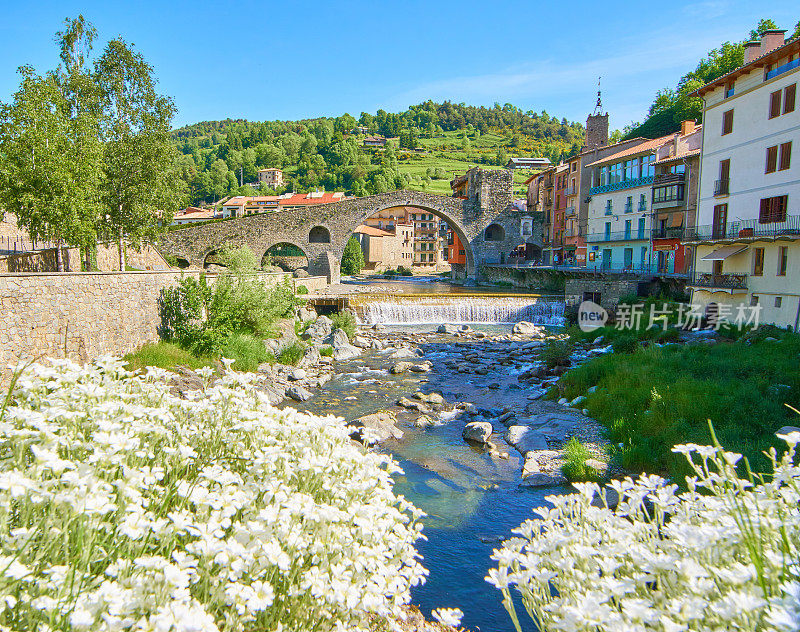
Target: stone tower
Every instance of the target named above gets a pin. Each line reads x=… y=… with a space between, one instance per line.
x=597 y=125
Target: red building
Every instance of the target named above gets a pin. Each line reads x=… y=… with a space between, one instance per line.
x=558 y=229
x=456 y=254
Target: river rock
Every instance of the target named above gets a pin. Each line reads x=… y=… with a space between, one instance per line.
x=400 y=367
x=379 y=327
x=596 y=465
x=298 y=393
x=435 y=399
x=376 y=428
x=524 y=328
x=345 y=353
x=311 y=357
x=337 y=338
x=542 y=479
x=320 y=328
x=465 y=329
x=404 y=353
x=361 y=342
x=275 y=393
x=306 y=314
x=447 y=329
x=378 y=344
x=423 y=367
x=479 y=431
x=423 y=421
x=525 y=439
x=418 y=406
x=297 y=375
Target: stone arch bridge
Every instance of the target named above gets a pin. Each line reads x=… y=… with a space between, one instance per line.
x=487 y=223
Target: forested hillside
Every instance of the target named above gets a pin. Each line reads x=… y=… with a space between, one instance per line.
x=673 y=105
x=430 y=142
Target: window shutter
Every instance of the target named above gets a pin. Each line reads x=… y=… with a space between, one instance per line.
x=788 y=98
x=772 y=159
x=786 y=155
x=775 y=104
x=727 y=122
x=763 y=213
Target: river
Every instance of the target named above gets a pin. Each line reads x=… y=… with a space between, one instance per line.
x=472 y=498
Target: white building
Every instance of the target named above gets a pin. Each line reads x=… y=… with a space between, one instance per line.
x=748 y=225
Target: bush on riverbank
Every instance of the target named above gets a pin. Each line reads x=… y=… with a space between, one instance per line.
x=656 y=397
x=346 y=322
x=721 y=556
x=124 y=505
x=575 y=456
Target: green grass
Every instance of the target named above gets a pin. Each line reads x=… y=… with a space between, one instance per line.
x=346 y=322
x=656 y=397
x=575 y=457
x=246 y=351
x=164 y=355
x=292 y=354
x=556 y=352
x=326 y=350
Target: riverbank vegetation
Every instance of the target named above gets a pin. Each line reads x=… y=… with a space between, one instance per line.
x=125 y=503
x=652 y=397
x=720 y=556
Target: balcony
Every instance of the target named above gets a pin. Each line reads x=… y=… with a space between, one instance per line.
x=668 y=178
x=722 y=187
x=569 y=211
x=782 y=69
x=746 y=230
x=668 y=233
x=619 y=186
x=718 y=281
x=629 y=207
x=619 y=235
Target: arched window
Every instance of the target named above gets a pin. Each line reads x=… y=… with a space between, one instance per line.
x=319 y=235
x=494 y=232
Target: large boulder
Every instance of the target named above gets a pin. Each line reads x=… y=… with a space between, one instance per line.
x=544 y=479
x=306 y=314
x=478 y=431
x=525 y=439
x=376 y=428
x=337 y=338
x=298 y=393
x=345 y=353
x=319 y=329
x=447 y=329
x=311 y=357
x=400 y=367
x=404 y=353
x=300 y=273
x=361 y=342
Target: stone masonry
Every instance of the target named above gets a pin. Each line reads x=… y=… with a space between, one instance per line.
x=81 y=315
x=322 y=231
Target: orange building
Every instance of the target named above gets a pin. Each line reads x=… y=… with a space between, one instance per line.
x=456 y=253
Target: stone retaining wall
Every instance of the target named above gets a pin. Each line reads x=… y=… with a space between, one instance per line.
x=81 y=315
x=107 y=259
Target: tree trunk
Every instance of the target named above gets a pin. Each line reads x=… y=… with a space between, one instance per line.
x=59 y=257
x=121 y=244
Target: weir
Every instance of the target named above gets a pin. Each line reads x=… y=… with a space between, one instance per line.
x=457 y=309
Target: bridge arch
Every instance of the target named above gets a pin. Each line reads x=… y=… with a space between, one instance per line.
x=286 y=255
x=319 y=235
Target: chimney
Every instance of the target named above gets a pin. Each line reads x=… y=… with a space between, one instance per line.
x=687 y=127
x=752 y=49
x=770 y=40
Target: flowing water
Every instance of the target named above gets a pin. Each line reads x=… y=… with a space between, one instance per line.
x=472 y=499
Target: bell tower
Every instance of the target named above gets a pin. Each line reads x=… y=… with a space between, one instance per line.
x=597 y=124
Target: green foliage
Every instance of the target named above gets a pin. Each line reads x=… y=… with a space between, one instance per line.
x=326 y=350
x=292 y=354
x=653 y=398
x=164 y=355
x=556 y=353
x=302 y=290
x=346 y=322
x=400 y=271
x=575 y=456
x=352 y=257
x=247 y=351
x=238 y=259
x=626 y=343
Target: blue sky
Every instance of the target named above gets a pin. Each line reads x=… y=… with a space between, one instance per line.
x=287 y=60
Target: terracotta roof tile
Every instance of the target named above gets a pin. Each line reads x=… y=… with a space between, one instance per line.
x=641 y=148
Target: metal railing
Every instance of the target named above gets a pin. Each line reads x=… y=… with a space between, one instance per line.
x=782 y=69
x=722 y=186
x=661 y=179
x=571 y=190
x=619 y=235
x=743 y=229
x=668 y=233
x=629 y=207
x=619 y=186
x=722 y=281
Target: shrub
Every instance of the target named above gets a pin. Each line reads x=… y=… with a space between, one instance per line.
x=131 y=507
x=302 y=290
x=352 y=257
x=670 y=335
x=246 y=351
x=555 y=353
x=326 y=350
x=346 y=322
x=291 y=354
x=626 y=344
x=163 y=355
x=575 y=457
x=721 y=556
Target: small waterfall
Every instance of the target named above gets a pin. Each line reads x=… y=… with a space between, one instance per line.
x=411 y=310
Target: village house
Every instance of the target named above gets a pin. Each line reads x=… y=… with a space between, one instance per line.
x=747 y=239
x=273 y=178
x=384 y=249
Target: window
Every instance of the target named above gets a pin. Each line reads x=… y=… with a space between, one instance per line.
x=758 y=261
x=775 y=104
x=727 y=122
x=778 y=301
x=753 y=300
x=574 y=166
x=641 y=228
x=729 y=90
x=773 y=209
x=783 y=259
x=772 y=160
x=786 y=156
x=789 y=93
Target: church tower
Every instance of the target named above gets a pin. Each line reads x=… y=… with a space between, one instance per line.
x=597 y=125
